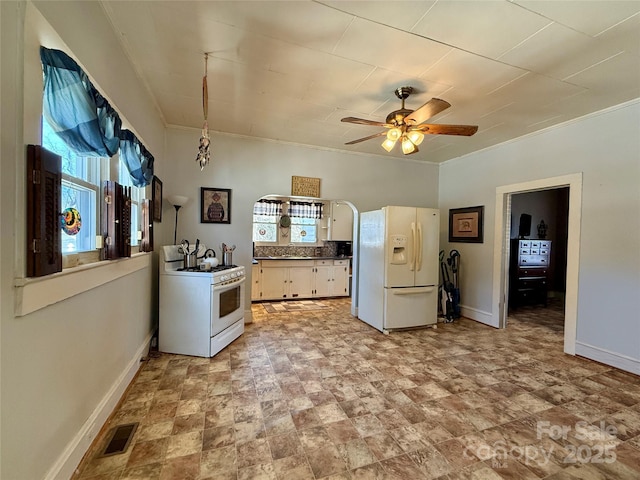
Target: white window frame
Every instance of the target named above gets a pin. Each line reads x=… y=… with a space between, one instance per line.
x=95 y=170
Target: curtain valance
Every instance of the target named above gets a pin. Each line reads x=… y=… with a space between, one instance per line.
x=137 y=159
x=85 y=120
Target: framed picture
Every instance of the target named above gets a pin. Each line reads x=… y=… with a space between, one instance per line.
x=215 y=205
x=465 y=224
x=305 y=186
x=156 y=199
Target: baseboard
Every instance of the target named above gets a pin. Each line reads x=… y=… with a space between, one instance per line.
x=613 y=359
x=71 y=457
x=478 y=315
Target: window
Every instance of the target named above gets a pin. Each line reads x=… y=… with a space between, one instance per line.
x=265 y=228
x=304 y=230
x=81 y=179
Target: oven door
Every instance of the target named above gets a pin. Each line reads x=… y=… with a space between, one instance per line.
x=227 y=305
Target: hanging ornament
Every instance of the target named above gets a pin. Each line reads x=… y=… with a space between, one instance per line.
x=70 y=221
x=204 y=153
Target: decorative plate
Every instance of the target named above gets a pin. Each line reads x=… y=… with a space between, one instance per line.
x=70 y=221
x=285 y=221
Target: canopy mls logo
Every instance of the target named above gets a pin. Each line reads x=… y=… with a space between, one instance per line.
x=598 y=446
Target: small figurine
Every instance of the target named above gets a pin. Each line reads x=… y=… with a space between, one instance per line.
x=542 y=230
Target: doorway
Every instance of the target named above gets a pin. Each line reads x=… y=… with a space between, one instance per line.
x=502 y=250
x=537 y=265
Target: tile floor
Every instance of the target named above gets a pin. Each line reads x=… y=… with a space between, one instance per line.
x=319 y=394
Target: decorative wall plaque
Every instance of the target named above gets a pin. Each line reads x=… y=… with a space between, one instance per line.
x=305 y=186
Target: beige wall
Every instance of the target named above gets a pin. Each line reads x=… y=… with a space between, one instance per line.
x=63 y=366
x=252 y=168
x=604 y=148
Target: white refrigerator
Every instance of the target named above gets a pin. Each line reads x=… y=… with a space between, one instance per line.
x=398 y=273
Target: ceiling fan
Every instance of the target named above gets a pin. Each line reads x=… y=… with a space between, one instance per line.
x=408 y=127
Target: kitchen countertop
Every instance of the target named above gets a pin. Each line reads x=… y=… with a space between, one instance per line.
x=287 y=257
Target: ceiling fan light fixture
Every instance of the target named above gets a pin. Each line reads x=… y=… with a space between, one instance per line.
x=394 y=134
x=408 y=146
x=416 y=137
x=388 y=144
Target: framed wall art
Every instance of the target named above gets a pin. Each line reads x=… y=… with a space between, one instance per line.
x=466 y=224
x=215 y=205
x=156 y=199
x=305 y=186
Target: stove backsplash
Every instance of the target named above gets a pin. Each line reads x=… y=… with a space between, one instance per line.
x=329 y=249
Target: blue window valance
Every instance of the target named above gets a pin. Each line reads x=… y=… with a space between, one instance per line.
x=85 y=120
x=137 y=159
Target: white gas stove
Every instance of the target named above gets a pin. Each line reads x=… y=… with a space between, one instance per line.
x=201 y=311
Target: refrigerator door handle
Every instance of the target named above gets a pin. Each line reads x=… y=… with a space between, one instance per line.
x=413 y=247
x=419 y=248
x=411 y=290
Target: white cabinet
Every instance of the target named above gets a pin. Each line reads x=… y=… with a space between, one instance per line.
x=255 y=281
x=274 y=282
x=300 y=282
x=297 y=279
x=340 y=222
x=286 y=279
x=331 y=278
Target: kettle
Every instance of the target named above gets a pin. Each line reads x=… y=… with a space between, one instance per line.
x=209 y=261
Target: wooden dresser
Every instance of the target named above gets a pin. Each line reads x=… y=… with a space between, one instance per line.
x=528 y=272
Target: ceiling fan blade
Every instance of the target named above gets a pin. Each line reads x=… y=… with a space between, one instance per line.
x=380 y=134
x=426 y=111
x=436 y=129
x=362 y=121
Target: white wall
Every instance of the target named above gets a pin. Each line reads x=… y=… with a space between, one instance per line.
x=63 y=366
x=605 y=148
x=252 y=168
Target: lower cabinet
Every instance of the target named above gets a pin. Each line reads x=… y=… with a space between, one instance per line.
x=332 y=278
x=283 y=279
x=297 y=279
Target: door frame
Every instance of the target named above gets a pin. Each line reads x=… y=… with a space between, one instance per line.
x=501 y=250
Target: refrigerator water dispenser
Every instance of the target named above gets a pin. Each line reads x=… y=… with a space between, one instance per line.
x=399 y=249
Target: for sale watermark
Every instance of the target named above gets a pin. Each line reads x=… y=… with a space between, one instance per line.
x=598 y=446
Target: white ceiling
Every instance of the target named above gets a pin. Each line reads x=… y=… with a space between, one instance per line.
x=290 y=70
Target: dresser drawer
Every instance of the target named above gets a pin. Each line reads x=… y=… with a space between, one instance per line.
x=531 y=272
x=534 y=260
x=532 y=283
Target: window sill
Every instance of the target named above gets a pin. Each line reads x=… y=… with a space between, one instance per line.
x=33 y=294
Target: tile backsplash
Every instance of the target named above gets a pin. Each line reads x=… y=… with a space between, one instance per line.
x=329 y=249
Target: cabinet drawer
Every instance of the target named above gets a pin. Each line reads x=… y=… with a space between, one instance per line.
x=341 y=262
x=532 y=283
x=525 y=244
x=525 y=251
x=324 y=262
x=544 y=251
x=532 y=272
x=534 y=260
x=545 y=244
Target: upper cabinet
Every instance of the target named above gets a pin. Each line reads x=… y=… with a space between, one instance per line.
x=340 y=221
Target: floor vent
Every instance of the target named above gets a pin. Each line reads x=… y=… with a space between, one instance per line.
x=120 y=439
